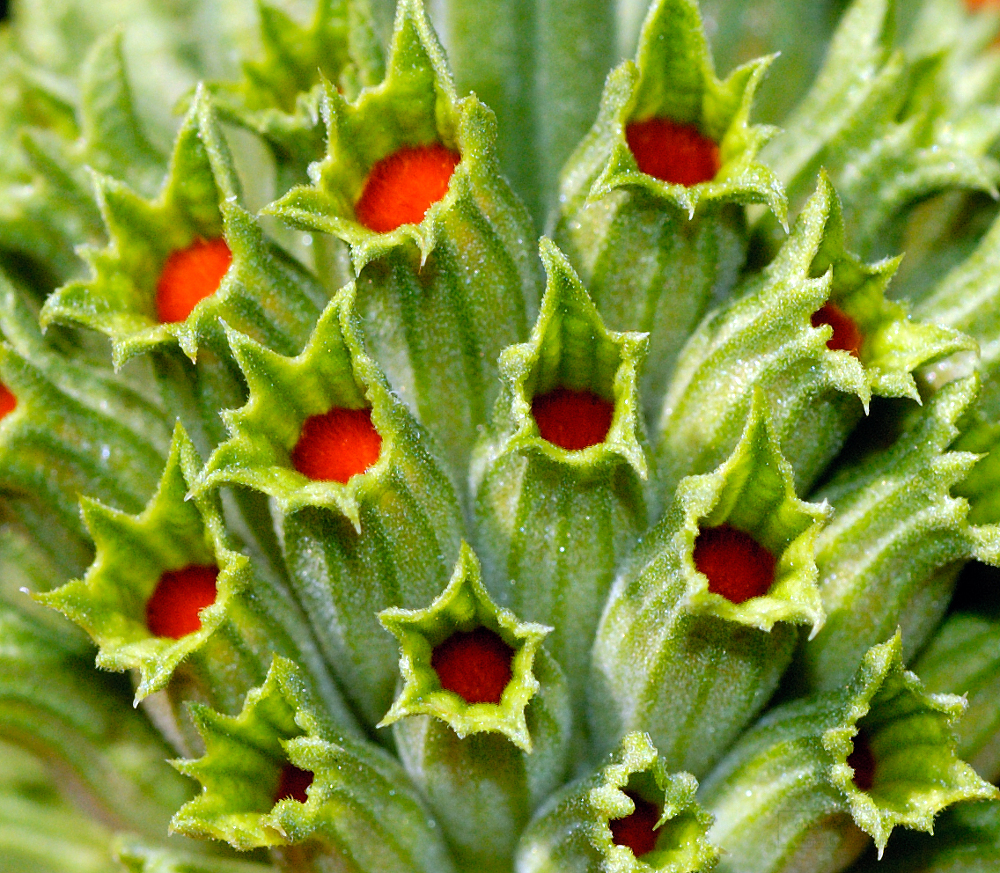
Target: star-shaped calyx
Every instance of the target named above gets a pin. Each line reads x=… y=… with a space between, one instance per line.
x=722 y=579
x=570 y=393
x=283 y=773
x=406 y=160
x=629 y=816
x=163 y=582
x=179 y=263
x=668 y=127
x=466 y=661
x=320 y=429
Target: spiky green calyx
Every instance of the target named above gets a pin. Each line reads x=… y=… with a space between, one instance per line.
x=358 y=809
x=767 y=392
x=818 y=808
x=573 y=832
x=662 y=614
x=535 y=498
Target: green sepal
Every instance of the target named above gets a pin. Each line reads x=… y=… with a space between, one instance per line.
x=650 y=262
x=661 y=619
x=966 y=840
x=76 y=429
x=553 y=524
x=333 y=370
x=264 y=293
x=963 y=657
x=897 y=537
x=571 y=833
x=796 y=758
x=464 y=605
x=483 y=766
x=764 y=340
x=139 y=856
x=569 y=347
x=440 y=299
x=361 y=814
x=386 y=537
x=414 y=105
x=879 y=123
x=81 y=723
x=278 y=96
x=248 y=621
x=673 y=77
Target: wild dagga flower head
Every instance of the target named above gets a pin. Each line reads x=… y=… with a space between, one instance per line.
x=499 y=436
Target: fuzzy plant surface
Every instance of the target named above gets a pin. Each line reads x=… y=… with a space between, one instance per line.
x=499 y=436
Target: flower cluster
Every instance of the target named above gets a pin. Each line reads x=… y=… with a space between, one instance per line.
x=664 y=540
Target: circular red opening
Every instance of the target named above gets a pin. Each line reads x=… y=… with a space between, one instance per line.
x=846 y=337
x=637 y=830
x=336 y=445
x=737 y=566
x=293 y=784
x=401 y=187
x=572 y=420
x=672 y=152
x=173 y=609
x=476 y=665
x=189 y=276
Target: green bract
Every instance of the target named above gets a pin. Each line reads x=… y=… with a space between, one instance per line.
x=587 y=462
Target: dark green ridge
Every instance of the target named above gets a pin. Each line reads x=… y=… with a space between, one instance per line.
x=540 y=68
